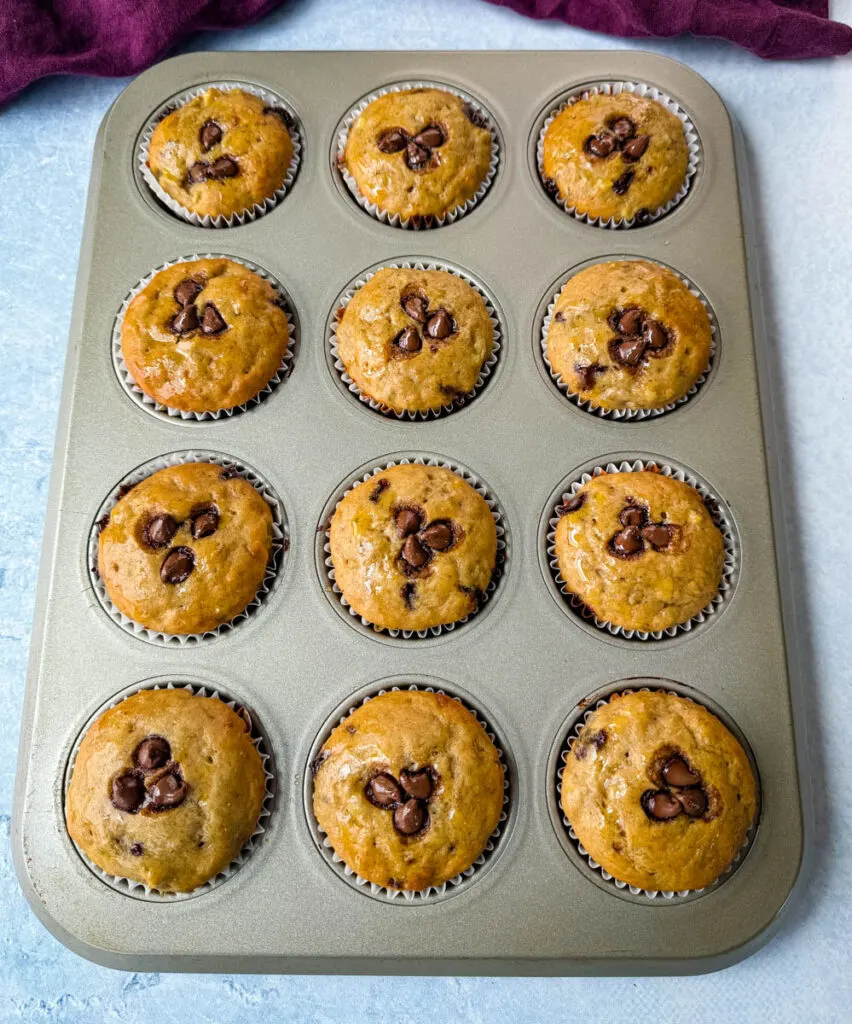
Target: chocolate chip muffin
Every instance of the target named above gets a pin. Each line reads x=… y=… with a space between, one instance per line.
x=408 y=789
x=413 y=547
x=640 y=550
x=615 y=157
x=659 y=792
x=419 y=153
x=222 y=153
x=205 y=336
x=415 y=340
x=186 y=549
x=166 y=790
x=628 y=335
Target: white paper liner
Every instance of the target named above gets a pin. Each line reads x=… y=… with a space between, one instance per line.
x=459 y=401
x=651 y=894
x=499 y=567
x=614 y=88
x=279 y=547
x=587 y=405
x=394 y=219
x=139 y=890
x=721 y=517
x=150 y=405
x=433 y=892
x=271 y=99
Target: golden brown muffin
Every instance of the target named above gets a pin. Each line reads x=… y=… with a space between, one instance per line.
x=615 y=156
x=204 y=336
x=186 y=549
x=167 y=788
x=413 y=547
x=659 y=792
x=420 y=153
x=415 y=340
x=222 y=153
x=408 y=789
x=640 y=550
x=628 y=335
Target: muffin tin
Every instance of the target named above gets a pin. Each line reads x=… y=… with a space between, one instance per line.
x=527 y=664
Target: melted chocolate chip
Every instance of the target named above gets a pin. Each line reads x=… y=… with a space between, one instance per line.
x=136 y=850
x=622 y=184
x=627 y=542
x=416 y=156
x=414 y=553
x=629 y=352
x=185 y=321
x=381 y=486
x=676 y=772
x=186 y=291
x=654 y=335
x=159 y=530
x=658 y=535
x=587 y=375
x=128 y=792
x=205 y=521
x=408 y=340
x=633 y=515
x=622 y=128
x=573 y=504
x=660 y=805
x=152 y=753
x=168 y=791
x=601 y=145
x=630 y=321
x=635 y=149
x=177 y=565
x=438 y=536
x=197 y=173
x=415 y=306
x=416 y=784
x=394 y=140
x=693 y=801
x=211 y=320
x=383 y=791
x=210 y=135
x=431 y=137
x=408 y=521
x=224 y=167
x=440 y=325
x=409 y=818
x=408 y=590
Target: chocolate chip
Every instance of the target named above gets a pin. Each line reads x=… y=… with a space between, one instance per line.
x=381 y=486
x=416 y=784
x=210 y=135
x=408 y=590
x=440 y=325
x=627 y=542
x=159 y=530
x=633 y=515
x=128 y=792
x=635 y=148
x=587 y=375
x=630 y=351
x=560 y=317
x=211 y=320
x=152 y=753
x=185 y=321
x=186 y=291
x=622 y=128
x=573 y=504
x=438 y=536
x=658 y=535
x=392 y=141
x=630 y=321
x=600 y=145
x=415 y=306
x=198 y=172
x=205 y=522
x=622 y=184
x=177 y=565
x=168 y=791
x=431 y=137
x=408 y=340
x=416 y=156
x=693 y=801
x=476 y=117
x=383 y=791
x=224 y=167
x=414 y=553
x=677 y=772
x=655 y=335
x=136 y=849
x=410 y=817
x=660 y=805
x=598 y=739
x=407 y=521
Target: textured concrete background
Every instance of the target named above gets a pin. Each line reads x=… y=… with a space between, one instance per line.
x=796 y=119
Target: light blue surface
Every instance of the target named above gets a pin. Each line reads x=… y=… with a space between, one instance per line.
x=796 y=120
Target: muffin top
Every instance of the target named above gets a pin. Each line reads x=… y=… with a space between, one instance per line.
x=658 y=791
x=628 y=335
x=186 y=549
x=222 y=152
x=615 y=156
x=415 y=340
x=408 y=788
x=419 y=153
x=413 y=547
x=204 y=335
x=640 y=550
x=167 y=788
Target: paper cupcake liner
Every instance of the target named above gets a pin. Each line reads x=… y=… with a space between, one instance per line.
x=614 y=88
x=394 y=220
x=345 y=297
x=166 y=412
x=721 y=517
x=658 y=895
x=325 y=565
x=279 y=547
x=244 y=216
x=629 y=414
x=139 y=890
x=406 y=896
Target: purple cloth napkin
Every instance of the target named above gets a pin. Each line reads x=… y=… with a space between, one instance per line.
x=104 y=37
x=769 y=28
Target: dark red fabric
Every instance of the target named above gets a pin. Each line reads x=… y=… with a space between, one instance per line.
x=104 y=37
x=770 y=28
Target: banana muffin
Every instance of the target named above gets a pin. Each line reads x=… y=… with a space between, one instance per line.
x=205 y=336
x=640 y=550
x=222 y=153
x=408 y=788
x=658 y=791
x=615 y=157
x=166 y=790
x=413 y=547
x=415 y=340
x=418 y=154
x=628 y=335
x=186 y=550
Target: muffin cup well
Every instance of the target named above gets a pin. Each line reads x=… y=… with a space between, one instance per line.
x=564 y=829
x=721 y=517
x=626 y=415
x=278 y=548
x=139 y=890
x=345 y=297
x=244 y=216
x=614 y=88
x=341 y=134
x=325 y=566
x=166 y=412
x=405 y=896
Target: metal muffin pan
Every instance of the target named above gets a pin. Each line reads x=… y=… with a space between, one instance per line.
x=523 y=659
